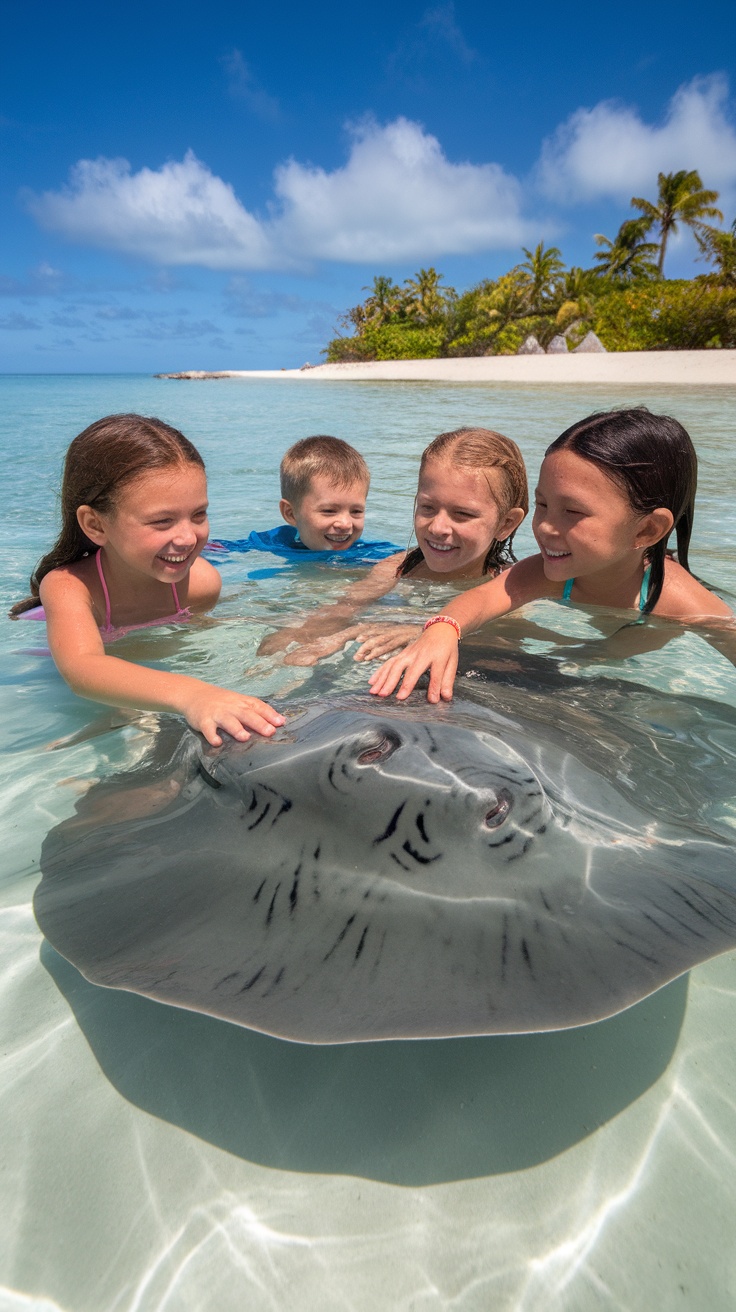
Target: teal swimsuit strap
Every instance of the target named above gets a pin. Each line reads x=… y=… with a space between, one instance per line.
x=643 y=593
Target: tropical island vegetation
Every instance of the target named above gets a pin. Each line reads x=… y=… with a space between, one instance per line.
x=624 y=298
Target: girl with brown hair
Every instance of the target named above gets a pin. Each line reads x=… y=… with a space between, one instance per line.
x=134 y=523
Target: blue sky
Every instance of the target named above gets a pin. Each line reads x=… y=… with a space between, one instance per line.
x=191 y=186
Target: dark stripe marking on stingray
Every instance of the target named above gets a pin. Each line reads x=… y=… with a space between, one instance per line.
x=391 y=826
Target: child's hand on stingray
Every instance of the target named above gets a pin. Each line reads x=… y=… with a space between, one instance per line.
x=435 y=650
x=379 y=640
x=210 y=709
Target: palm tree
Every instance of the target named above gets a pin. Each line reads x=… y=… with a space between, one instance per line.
x=578 y=290
x=354 y=318
x=720 y=247
x=384 y=300
x=579 y=284
x=682 y=199
x=628 y=257
x=425 y=299
x=503 y=301
x=543 y=270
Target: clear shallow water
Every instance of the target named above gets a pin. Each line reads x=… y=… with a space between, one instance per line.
x=157 y=1159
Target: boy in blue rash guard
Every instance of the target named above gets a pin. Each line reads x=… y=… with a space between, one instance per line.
x=324 y=485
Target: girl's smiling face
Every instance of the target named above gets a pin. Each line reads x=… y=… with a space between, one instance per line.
x=458 y=515
x=583 y=522
x=158 y=525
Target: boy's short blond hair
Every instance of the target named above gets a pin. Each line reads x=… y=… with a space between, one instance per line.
x=315 y=456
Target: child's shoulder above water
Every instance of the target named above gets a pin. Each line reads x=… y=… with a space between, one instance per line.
x=78 y=585
x=685 y=597
x=682 y=596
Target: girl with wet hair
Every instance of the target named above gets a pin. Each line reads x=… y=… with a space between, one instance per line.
x=471 y=498
x=612 y=490
x=133 y=525
x=446 y=468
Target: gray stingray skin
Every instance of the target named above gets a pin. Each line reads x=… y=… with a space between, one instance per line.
x=376 y=871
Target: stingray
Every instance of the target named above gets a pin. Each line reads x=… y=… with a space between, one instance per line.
x=379 y=871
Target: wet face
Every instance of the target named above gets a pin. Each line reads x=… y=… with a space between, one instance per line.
x=457 y=516
x=330 y=518
x=159 y=523
x=583 y=522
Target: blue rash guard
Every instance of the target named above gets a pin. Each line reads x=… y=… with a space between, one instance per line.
x=284 y=541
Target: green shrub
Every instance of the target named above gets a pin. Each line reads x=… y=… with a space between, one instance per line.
x=390 y=341
x=492 y=319
x=672 y=315
x=395 y=341
x=347 y=350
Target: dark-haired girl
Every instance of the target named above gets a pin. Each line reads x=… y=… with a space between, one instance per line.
x=134 y=522
x=611 y=490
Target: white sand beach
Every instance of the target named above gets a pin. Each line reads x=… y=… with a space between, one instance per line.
x=669 y=368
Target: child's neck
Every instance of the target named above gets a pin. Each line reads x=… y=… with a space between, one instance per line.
x=618 y=585
x=472 y=573
x=134 y=594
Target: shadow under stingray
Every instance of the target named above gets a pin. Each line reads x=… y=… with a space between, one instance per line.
x=412 y=1112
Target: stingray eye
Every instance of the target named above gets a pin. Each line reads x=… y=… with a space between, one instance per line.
x=378 y=751
x=497 y=814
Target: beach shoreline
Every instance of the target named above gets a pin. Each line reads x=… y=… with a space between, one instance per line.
x=627 y=368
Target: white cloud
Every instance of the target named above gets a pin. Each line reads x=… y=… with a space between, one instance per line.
x=178 y=214
x=397 y=198
x=610 y=151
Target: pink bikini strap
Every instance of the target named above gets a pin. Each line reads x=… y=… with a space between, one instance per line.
x=98 y=558
x=179 y=610
x=108 y=624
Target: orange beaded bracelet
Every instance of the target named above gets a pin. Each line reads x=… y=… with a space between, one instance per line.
x=444 y=619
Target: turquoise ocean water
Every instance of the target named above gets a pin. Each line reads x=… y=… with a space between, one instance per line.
x=158 y=1159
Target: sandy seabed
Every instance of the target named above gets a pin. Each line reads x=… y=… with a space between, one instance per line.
x=671 y=368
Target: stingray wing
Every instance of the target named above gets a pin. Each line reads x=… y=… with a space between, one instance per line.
x=189 y=907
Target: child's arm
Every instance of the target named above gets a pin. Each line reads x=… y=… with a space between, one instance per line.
x=80 y=657
x=436 y=649
x=683 y=598
x=330 y=619
x=380 y=639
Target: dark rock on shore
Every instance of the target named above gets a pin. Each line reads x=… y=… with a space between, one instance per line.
x=196 y=375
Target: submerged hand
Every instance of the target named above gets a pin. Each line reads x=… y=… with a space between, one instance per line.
x=209 y=709
x=330 y=620
x=327 y=646
x=436 y=651
x=279 y=641
x=377 y=640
